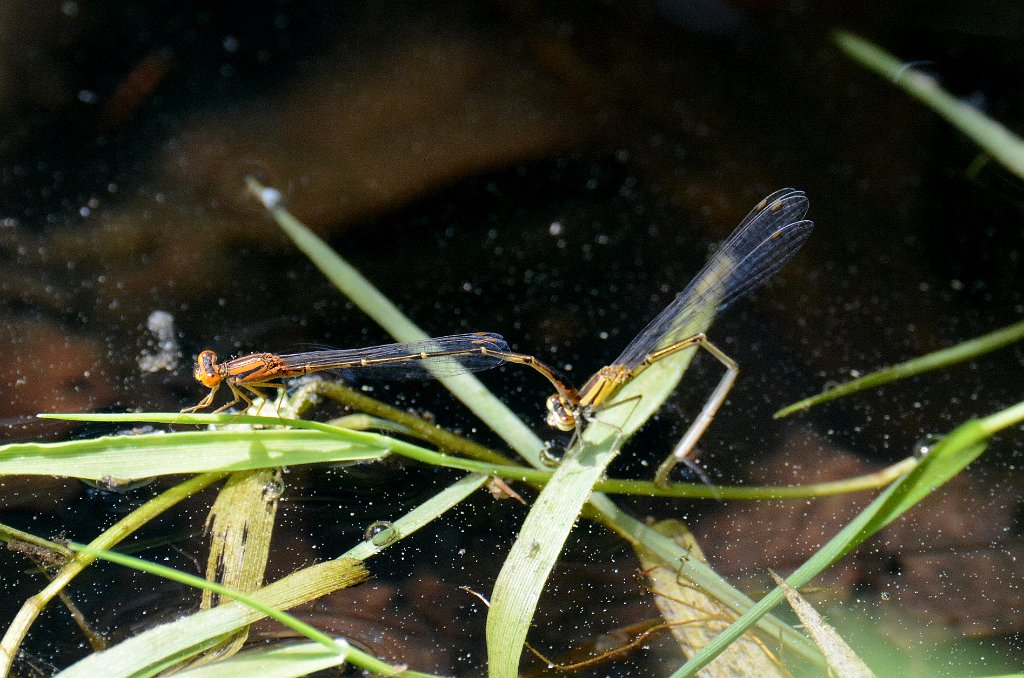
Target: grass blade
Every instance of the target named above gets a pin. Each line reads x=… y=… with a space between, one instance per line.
x=110 y=537
x=994 y=138
x=169 y=643
x=194 y=581
x=518 y=587
x=842 y=660
x=294 y=659
x=654 y=384
x=467 y=388
x=949 y=456
x=117 y=458
x=926 y=363
x=342 y=650
x=695 y=617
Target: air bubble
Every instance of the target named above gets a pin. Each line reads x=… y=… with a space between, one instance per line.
x=381 y=533
x=925 y=444
x=548 y=457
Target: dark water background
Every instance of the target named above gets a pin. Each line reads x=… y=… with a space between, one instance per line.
x=554 y=173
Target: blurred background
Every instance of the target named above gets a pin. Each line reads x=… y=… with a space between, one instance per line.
x=553 y=172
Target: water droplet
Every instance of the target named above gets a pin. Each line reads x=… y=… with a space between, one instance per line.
x=381 y=533
x=925 y=444
x=117 y=485
x=548 y=457
x=273 y=489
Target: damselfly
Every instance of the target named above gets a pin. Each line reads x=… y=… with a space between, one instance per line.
x=763 y=242
x=438 y=357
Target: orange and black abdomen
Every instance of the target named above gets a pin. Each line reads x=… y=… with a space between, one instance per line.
x=254 y=369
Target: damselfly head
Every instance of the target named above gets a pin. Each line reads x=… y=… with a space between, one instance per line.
x=560 y=413
x=206 y=369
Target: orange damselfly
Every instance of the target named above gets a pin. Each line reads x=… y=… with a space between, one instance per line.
x=762 y=243
x=438 y=357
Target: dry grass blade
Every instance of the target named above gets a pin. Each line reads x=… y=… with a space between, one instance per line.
x=841 y=657
x=694 y=617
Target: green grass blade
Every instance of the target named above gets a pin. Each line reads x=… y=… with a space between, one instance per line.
x=166 y=644
x=654 y=385
x=129 y=457
x=378 y=444
x=519 y=585
x=936 y=360
x=180 y=418
x=467 y=388
x=192 y=580
x=522 y=578
x=869 y=481
x=113 y=535
x=421 y=516
x=954 y=452
x=994 y=138
x=343 y=651
x=294 y=659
